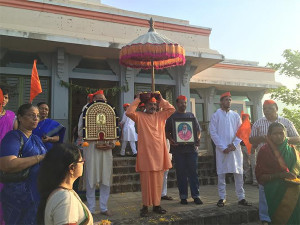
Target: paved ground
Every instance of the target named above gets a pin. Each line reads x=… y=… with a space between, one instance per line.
x=126 y=206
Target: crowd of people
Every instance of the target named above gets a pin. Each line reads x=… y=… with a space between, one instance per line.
x=31 y=149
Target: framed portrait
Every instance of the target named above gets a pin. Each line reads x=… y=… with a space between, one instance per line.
x=184 y=130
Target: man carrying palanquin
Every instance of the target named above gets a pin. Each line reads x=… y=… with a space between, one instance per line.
x=258 y=137
x=153 y=156
x=223 y=127
x=98 y=166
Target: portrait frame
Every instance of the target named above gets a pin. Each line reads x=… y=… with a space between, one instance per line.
x=184 y=131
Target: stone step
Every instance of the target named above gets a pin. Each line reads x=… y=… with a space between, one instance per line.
x=206 y=215
x=132 y=184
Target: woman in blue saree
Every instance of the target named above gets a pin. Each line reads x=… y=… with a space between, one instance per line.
x=20 y=199
x=48 y=130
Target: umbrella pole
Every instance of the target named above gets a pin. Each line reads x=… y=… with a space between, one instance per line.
x=153 y=78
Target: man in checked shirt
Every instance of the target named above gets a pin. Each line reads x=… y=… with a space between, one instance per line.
x=258 y=138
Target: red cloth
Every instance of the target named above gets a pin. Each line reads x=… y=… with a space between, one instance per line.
x=90 y=96
x=244 y=131
x=142 y=105
x=153 y=100
x=99 y=92
x=1 y=99
x=35 y=87
x=269 y=102
x=226 y=94
x=181 y=97
x=267 y=163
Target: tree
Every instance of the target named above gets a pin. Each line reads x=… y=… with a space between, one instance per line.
x=291 y=97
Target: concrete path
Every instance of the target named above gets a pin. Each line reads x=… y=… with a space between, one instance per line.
x=125 y=208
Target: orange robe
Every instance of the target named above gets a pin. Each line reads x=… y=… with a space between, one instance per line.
x=153 y=155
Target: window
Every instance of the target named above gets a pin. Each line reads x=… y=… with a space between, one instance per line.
x=19 y=90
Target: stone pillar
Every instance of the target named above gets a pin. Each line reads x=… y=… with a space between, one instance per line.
x=256 y=97
x=208 y=95
x=182 y=75
x=59 y=94
x=127 y=78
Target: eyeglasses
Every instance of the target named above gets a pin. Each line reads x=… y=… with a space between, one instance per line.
x=33 y=116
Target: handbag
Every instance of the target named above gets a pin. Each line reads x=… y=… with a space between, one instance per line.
x=17 y=176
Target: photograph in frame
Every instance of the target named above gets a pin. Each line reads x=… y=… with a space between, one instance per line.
x=184 y=130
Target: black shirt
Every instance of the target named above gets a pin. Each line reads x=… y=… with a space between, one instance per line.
x=183 y=148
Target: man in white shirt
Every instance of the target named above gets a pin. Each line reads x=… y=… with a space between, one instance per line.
x=128 y=133
x=224 y=125
x=258 y=137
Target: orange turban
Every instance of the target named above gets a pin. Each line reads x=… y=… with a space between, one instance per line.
x=226 y=94
x=142 y=105
x=152 y=100
x=99 y=92
x=269 y=102
x=126 y=104
x=181 y=97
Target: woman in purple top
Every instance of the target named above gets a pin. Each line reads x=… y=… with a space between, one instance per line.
x=7 y=123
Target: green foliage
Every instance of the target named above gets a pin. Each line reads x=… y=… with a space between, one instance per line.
x=291 y=66
x=291 y=97
x=294 y=116
x=288 y=96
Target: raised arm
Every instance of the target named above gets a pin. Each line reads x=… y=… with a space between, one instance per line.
x=131 y=111
x=167 y=108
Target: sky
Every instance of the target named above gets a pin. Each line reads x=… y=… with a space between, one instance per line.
x=252 y=30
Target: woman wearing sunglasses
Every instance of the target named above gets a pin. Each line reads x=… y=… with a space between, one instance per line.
x=60 y=204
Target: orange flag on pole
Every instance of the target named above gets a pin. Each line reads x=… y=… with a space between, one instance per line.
x=35 y=87
x=244 y=131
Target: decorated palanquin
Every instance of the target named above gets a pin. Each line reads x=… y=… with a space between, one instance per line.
x=99 y=122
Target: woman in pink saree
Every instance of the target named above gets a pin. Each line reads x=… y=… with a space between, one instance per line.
x=7 y=123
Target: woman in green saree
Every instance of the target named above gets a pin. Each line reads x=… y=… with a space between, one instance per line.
x=277 y=168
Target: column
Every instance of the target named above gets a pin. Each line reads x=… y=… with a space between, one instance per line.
x=59 y=94
x=182 y=75
x=256 y=98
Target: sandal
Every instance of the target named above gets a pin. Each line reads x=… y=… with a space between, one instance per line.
x=144 y=211
x=159 y=210
x=166 y=197
x=221 y=203
x=244 y=203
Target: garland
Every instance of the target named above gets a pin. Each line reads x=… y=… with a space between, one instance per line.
x=87 y=90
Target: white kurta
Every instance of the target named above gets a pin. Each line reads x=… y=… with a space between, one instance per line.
x=223 y=127
x=128 y=131
x=98 y=163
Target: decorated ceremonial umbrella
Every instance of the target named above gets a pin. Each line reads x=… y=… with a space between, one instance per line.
x=152 y=51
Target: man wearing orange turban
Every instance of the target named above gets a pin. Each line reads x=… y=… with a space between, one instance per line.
x=185 y=156
x=258 y=138
x=223 y=127
x=153 y=155
x=98 y=166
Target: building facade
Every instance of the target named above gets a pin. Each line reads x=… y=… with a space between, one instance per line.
x=77 y=45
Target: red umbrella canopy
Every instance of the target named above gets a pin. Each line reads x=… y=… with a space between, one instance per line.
x=152 y=47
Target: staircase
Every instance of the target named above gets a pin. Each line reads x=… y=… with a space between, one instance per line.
x=125 y=179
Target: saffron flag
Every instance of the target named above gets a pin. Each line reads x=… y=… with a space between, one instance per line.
x=35 y=87
x=244 y=131
x=1 y=100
